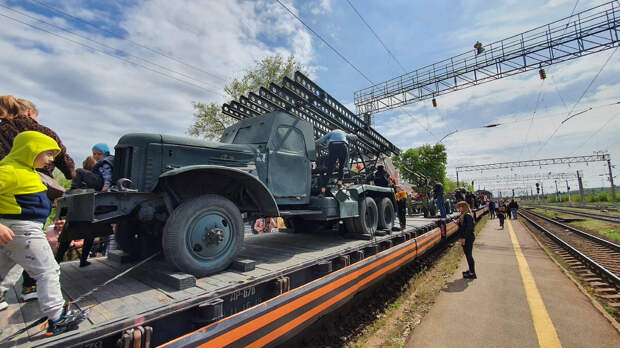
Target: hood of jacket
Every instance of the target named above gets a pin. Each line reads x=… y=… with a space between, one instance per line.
x=27 y=146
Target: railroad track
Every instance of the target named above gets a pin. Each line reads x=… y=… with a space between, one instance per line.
x=579 y=213
x=595 y=260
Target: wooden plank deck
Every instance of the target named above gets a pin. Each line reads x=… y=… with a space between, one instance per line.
x=137 y=293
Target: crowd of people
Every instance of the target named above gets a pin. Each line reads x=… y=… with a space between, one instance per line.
x=501 y=210
x=29 y=154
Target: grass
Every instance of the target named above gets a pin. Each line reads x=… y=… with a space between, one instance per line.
x=404 y=314
x=599 y=197
x=611 y=310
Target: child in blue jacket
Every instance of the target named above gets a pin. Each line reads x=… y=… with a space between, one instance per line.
x=24 y=208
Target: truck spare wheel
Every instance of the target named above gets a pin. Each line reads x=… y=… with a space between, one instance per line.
x=203 y=235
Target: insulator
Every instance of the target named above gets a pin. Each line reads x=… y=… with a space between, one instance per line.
x=434 y=102
x=542 y=73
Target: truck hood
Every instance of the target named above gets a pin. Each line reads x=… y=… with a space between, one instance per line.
x=175 y=140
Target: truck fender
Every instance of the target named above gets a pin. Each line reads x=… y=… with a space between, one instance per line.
x=241 y=187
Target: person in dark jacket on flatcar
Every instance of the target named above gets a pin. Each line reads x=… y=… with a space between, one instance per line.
x=438 y=196
x=467 y=237
x=382 y=177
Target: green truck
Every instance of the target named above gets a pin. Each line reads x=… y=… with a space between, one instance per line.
x=189 y=197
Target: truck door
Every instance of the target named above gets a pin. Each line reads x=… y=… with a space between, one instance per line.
x=289 y=171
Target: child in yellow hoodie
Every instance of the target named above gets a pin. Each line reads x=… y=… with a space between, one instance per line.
x=24 y=208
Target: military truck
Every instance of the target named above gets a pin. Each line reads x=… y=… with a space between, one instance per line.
x=189 y=197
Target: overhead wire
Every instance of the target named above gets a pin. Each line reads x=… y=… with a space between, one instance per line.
x=529 y=128
x=372 y=30
x=109 y=54
x=105 y=45
x=153 y=50
x=596 y=132
x=579 y=100
x=325 y=42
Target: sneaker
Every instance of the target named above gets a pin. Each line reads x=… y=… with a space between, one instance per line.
x=3 y=304
x=69 y=320
x=84 y=263
x=29 y=293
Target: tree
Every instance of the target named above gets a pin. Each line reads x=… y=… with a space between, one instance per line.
x=210 y=122
x=422 y=164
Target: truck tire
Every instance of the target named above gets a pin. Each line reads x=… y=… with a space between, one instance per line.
x=386 y=214
x=203 y=235
x=366 y=222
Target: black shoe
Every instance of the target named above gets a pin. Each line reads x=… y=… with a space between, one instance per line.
x=68 y=321
x=469 y=275
x=84 y=263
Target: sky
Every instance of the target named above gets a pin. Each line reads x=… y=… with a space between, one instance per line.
x=99 y=69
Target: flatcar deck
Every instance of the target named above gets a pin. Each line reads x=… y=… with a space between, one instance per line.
x=155 y=291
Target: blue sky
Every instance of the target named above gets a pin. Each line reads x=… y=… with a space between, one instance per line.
x=87 y=96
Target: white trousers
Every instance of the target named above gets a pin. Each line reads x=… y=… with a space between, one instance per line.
x=31 y=250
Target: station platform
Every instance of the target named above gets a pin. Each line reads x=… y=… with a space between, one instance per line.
x=521 y=298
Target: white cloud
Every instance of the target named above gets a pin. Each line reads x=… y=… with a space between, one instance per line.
x=321 y=7
x=88 y=97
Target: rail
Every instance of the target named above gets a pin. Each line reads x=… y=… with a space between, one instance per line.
x=600 y=269
x=590 y=215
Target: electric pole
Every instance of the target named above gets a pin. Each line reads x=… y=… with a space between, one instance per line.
x=611 y=181
x=583 y=198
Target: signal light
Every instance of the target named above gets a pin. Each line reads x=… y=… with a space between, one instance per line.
x=542 y=73
x=434 y=102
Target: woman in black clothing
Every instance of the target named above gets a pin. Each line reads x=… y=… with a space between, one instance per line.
x=466 y=235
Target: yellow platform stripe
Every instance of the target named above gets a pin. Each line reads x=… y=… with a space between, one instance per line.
x=547 y=336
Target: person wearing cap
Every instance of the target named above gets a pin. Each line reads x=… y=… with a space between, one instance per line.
x=336 y=142
x=401 y=201
x=438 y=196
x=103 y=167
x=98 y=178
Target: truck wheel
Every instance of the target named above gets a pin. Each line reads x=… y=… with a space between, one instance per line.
x=386 y=214
x=368 y=218
x=203 y=235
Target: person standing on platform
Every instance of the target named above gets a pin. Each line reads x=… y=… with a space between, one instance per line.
x=466 y=235
x=491 y=210
x=438 y=196
x=336 y=142
x=401 y=201
x=514 y=208
x=501 y=214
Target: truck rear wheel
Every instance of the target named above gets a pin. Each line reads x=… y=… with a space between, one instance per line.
x=366 y=222
x=386 y=214
x=203 y=235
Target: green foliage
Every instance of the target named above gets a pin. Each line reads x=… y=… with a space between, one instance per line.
x=426 y=160
x=210 y=122
x=597 y=197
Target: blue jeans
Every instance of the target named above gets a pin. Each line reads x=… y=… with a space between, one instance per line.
x=515 y=215
x=442 y=209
